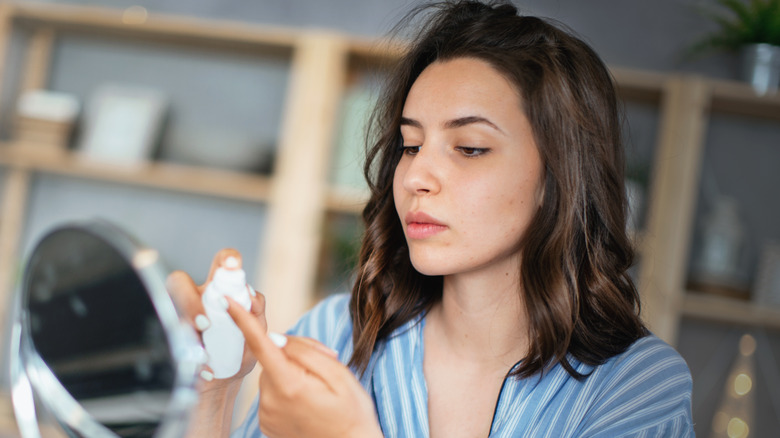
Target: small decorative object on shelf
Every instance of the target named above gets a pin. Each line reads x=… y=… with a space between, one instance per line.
x=767 y=285
x=219 y=147
x=751 y=28
x=122 y=123
x=761 y=67
x=736 y=410
x=716 y=266
x=44 y=120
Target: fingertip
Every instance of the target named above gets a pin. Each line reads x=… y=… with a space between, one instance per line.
x=220 y=259
x=231 y=262
x=176 y=279
x=229 y=258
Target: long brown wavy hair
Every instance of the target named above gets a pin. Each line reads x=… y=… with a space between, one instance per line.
x=579 y=298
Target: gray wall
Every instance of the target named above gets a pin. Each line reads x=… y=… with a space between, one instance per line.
x=742 y=156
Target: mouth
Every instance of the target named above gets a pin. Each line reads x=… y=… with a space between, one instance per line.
x=420 y=225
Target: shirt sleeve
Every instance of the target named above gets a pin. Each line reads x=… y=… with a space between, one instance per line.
x=329 y=323
x=646 y=393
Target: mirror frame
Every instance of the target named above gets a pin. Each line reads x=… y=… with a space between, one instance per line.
x=31 y=377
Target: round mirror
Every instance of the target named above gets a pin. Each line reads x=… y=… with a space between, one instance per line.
x=97 y=339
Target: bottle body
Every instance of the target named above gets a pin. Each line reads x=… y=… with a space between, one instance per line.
x=223 y=340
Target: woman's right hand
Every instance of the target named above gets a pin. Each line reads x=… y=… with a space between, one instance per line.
x=187 y=296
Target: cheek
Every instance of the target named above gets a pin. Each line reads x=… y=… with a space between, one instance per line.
x=513 y=206
x=397 y=183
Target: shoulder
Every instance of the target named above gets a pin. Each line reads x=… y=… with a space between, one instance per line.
x=328 y=322
x=646 y=388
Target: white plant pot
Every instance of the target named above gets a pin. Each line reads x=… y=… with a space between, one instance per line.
x=761 y=67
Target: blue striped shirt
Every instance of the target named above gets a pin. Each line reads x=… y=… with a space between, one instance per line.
x=643 y=392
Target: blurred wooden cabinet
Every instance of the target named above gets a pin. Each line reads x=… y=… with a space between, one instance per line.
x=297 y=193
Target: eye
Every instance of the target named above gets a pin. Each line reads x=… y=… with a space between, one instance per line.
x=410 y=150
x=471 y=151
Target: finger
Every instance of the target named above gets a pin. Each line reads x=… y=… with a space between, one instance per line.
x=316 y=345
x=258 y=304
x=271 y=357
x=317 y=362
x=219 y=260
x=185 y=295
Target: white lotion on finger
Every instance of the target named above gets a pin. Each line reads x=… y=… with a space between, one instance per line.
x=223 y=340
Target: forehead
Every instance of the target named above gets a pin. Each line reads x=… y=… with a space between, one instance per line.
x=464 y=88
x=463 y=82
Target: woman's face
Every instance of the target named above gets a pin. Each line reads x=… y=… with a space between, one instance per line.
x=469 y=180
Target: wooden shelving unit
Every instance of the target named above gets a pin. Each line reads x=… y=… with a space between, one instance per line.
x=297 y=193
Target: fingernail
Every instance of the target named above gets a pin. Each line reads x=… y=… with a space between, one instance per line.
x=223 y=302
x=252 y=290
x=202 y=323
x=278 y=339
x=207 y=375
x=231 y=262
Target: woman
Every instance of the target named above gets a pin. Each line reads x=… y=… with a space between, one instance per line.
x=492 y=297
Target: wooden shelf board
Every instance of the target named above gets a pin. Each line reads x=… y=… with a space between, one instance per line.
x=740 y=99
x=160 y=175
x=639 y=85
x=729 y=310
x=345 y=200
x=114 y=21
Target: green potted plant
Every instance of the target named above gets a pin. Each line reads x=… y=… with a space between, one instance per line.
x=751 y=27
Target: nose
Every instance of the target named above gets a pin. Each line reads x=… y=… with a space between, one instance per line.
x=421 y=175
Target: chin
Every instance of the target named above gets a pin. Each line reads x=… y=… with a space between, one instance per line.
x=430 y=266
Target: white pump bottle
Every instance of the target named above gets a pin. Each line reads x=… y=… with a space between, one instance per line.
x=223 y=340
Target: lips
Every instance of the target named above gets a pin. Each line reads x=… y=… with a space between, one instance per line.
x=420 y=225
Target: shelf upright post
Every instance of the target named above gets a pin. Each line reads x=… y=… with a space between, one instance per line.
x=38 y=59
x=297 y=200
x=673 y=195
x=6 y=32
x=14 y=204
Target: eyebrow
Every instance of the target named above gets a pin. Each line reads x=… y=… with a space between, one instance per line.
x=454 y=123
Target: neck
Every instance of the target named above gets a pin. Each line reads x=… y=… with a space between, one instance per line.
x=481 y=318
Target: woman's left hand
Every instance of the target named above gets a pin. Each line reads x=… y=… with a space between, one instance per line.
x=304 y=390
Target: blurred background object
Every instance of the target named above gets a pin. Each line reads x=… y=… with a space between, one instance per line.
x=259 y=148
x=45 y=120
x=752 y=29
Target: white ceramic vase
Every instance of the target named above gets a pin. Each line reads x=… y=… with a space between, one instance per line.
x=761 y=67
